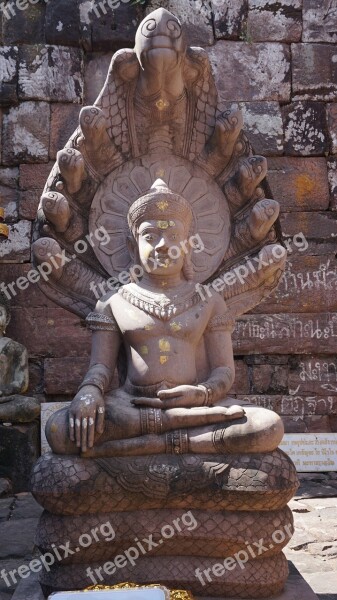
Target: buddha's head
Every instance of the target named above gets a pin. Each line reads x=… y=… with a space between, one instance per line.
x=5 y=314
x=160 y=40
x=160 y=222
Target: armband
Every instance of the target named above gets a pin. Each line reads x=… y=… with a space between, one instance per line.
x=100 y=322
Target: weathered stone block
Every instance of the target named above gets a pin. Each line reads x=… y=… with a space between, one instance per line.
x=230 y=19
x=16 y=249
x=332 y=126
x=9 y=201
x=72 y=374
x=8 y=94
x=262 y=122
x=308 y=285
x=195 y=15
x=96 y=70
x=310 y=233
x=241 y=383
x=50 y=73
x=62 y=23
x=9 y=176
x=315 y=375
x=26 y=26
x=34 y=177
x=332 y=177
x=64 y=120
x=26 y=133
x=28 y=204
x=286 y=334
x=314 y=71
x=269 y=379
x=305 y=130
x=18 y=452
x=22 y=296
x=63 y=332
x=299 y=183
x=8 y=64
x=319 y=21
x=114 y=26
x=262 y=71
x=274 y=22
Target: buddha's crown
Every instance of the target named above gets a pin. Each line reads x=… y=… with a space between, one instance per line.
x=159 y=203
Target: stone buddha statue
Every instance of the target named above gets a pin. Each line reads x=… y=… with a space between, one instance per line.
x=162 y=320
x=193 y=236
x=14 y=407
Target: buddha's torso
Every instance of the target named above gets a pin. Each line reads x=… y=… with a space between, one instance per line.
x=157 y=349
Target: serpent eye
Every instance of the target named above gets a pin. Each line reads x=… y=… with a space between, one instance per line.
x=174 y=28
x=149 y=27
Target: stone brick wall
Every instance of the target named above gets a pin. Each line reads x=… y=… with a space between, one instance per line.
x=279 y=62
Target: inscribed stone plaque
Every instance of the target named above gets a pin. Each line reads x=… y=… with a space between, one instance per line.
x=311 y=451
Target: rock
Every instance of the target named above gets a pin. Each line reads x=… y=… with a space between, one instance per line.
x=230 y=19
x=299 y=183
x=64 y=120
x=26 y=507
x=17 y=538
x=7 y=585
x=5 y=504
x=9 y=177
x=33 y=177
x=5 y=487
x=26 y=133
x=17 y=248
x=314 y=71
x=26 y=26
x=62 y=23
x=96 y=70
x=274 y=22
x=19 y=409
x=73 y=372
x=269 y=379
x=263 y=126
x=40 y=77
x=8 y=94
x=28 y=204
x=8 y=64
x=9 y=201
x=332 y=126
x=319 y=21
x=262 y=71
x=305 y=128
x=19 y=450
x=114 y=26
x=332 y=178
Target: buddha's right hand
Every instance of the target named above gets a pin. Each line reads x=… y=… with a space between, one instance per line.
x=86 y=416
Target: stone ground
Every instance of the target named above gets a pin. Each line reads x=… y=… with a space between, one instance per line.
x=313 y=549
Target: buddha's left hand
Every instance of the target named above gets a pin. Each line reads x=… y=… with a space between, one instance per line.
x=182 y=396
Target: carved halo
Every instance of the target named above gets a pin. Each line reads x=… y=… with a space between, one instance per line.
x=211 y=215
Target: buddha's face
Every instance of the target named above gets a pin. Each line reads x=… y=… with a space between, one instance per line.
x=3 y=319
x=161 y=246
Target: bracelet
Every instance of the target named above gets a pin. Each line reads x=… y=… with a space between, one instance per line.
x=93 y=381
x=208 y=394
x=177 y=442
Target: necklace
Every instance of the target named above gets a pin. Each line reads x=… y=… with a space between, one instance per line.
x=158 y=305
